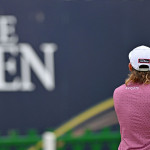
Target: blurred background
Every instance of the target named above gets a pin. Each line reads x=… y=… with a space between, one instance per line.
x=60 y=61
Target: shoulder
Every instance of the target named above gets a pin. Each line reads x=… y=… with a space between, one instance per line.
x=119 y=90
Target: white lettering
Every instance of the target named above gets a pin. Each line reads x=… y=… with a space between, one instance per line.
x=132 y=88
x=45 y=73
x=7 y=29
x=10 y=66
x=21 y=78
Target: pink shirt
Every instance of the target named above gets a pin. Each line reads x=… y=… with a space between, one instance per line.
x=132 y=106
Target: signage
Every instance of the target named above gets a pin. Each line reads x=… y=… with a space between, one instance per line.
x=17 y=77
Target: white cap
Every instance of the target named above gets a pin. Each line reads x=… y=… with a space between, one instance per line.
x=140 y=58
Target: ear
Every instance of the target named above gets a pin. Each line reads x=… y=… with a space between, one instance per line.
x=130 y=67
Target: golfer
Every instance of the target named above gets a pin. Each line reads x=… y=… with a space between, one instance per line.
x=132 y=102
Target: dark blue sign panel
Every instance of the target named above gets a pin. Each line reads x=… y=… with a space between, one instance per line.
x=58 y=58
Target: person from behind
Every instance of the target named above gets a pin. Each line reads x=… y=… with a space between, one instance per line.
x=132 y=102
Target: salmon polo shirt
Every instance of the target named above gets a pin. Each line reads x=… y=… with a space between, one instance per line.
x=132 y=106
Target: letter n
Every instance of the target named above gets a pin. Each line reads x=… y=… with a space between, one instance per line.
x=44 y=71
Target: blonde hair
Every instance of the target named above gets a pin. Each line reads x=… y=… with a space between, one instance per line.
x=141 y=77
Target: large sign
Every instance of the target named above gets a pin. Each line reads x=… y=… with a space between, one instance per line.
x=13 y=78
x=59 y=58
